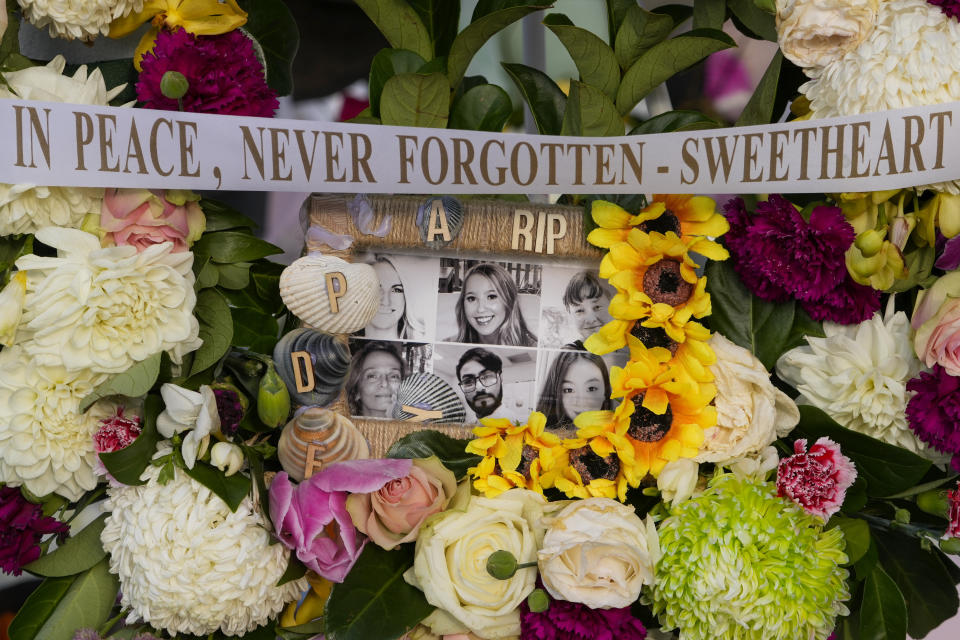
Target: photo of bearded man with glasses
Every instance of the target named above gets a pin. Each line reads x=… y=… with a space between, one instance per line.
x=478 y=374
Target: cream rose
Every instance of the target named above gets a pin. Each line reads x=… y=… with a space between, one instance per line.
x=393 y=515
x=451 y=558
x=811 y=33
x=598 y=552
x=751 y=412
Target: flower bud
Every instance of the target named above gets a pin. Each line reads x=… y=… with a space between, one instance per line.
x=226 y=457
x=538 y=601
x=935 y=502
x=273 y=399
x=950 y=545
x=174 y=85
x=870 y=242
x=902 y=516
x=501 y=565
x=11 y=307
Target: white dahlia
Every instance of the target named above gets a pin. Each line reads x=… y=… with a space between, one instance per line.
x=104 y=309
x=24 y=208
x=858 y=375
x=187 y=564
x=46 y=444
x=77 y=19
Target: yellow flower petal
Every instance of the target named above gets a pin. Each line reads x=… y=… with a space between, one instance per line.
x=206 y=17
x=609 y=215
x=126 y=25
x=145 y=46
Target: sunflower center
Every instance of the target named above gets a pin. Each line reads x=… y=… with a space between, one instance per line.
x=654 y=337
x=665 y=223
x=527 y=456
x=647 y=426
x=663 y=283
x=591 y=467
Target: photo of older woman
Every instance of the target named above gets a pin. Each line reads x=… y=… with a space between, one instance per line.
x=400 y=312
x=576 y=381
x=490 y=306
x=375 y=375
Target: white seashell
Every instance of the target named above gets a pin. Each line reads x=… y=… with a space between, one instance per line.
x=334 y=436
x=306 y=290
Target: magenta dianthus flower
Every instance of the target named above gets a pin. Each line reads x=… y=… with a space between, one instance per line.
x=949 y=7
x=230 y=409
x=22 y=525
x=116 y=432
x=933 y=413
x=953 y=514
x=223 y=71
x=574 y=621
x=817 y=479
x=779 y=255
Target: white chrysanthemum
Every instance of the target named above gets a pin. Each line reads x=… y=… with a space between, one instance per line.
x=46 y=444
x=24 y=208
x=104 y=309
x=858 y=375
x=187 y=564
x=77 y=19
x=911 y=58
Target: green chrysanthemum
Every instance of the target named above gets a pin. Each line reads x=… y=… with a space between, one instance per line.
x=739 y=563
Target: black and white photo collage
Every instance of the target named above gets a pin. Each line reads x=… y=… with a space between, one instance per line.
x=506 y=336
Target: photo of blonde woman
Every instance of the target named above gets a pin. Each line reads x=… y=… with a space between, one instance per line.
x=399 y=313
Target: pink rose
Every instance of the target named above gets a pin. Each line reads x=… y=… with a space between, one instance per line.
x=392 y=515
x=311 y=518
x=936 y=319
x=142 y=218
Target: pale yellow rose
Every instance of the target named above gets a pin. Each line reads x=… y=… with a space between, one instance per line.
x=451 y=558
x=598 y=552
x=811 y=33
x=751 y=412
x=393 y=515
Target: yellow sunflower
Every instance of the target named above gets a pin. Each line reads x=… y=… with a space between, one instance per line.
x=649 y=372
x=515 y=455
x=594 y=467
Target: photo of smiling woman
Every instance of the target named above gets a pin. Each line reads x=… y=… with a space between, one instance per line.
x=576 y=381
x=489 y=310
x=397 y=315
x=375 y=376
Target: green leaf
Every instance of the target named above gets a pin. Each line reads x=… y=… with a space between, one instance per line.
x=10 y=44
x=679 y=13
x=233 y=246
x=641 y=29
x=12 y=248
x=594 y=58
x=386 y=64
x=442 y=20
x=254 y=329
x=295 y=571
x=60 y=606
x=275 y=29
x=883 y=614
x=134 y=382
x=616 y=14
x=301 y=631
x=221 y=217
x=78 y=553
x=216 y=329
x=266 y=285
x=231 y=489
x=752 y=20
x=864 y=566
x=926 y=586
x=856 y=498
x=416 y=100
x=709 y=14
x=483 y=108
x=920 y=488
x=374 y=601
x=590 y=112
x=400 y=25
x=545 y=99
x=677 y=120
x=234 y=276
x=205 y=272
x=856 y=533
x=759 y=109
x=665 y=59
x=128 y=463
x=423 y=444
x=887 y=469
x=481 y=29
x=760 y=326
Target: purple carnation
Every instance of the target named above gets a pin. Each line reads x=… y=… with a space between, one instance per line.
x=934 y=411
x=779 y=255
x=22 y=525
x=949 y=7
x=224 y=73
x=574 y=621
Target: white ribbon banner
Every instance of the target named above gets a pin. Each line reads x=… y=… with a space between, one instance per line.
x=71 y=145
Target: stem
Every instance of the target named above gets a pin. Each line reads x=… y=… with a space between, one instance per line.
x=105 y=628
x=526 y=565
x=913 y=530
x=86 y=502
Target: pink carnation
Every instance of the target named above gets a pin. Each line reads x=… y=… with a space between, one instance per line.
x=116 y=432
x=816 y=480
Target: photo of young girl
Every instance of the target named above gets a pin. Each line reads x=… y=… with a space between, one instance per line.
x=401 y=311
x=491 y=303
x=576 y=308
x=576 y=381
